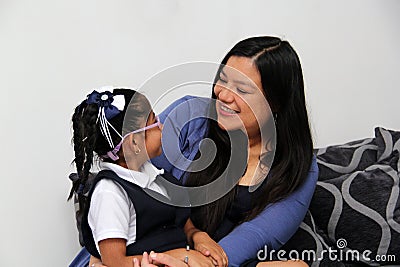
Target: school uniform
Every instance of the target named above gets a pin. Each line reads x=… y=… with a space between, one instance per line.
x=120 y=206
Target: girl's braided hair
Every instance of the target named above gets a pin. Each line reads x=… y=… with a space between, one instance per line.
x=89 y=140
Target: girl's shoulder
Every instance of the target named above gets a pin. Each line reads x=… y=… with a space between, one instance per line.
x=107 y=185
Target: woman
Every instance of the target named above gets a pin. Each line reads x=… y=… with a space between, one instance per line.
x=278 y=206
x=272 y=213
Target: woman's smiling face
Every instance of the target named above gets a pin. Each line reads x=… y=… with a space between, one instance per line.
x=240 y=99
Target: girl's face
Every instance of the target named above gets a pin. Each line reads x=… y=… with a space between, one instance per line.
x=148 y=140
x=153 y=137
x=241 y=103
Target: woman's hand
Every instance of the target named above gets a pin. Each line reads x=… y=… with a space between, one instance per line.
x=208 y=247
x=193 y=258
x=156 y=259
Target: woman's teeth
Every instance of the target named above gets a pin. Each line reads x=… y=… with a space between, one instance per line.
x=226 y=109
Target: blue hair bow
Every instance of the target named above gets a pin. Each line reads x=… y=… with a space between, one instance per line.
x=109 y=107
x=104 y=100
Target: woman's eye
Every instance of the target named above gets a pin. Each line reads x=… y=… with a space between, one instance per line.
x=241 y=91
x=222 y=80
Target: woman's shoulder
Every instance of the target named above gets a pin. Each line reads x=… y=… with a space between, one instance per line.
x=190 y=100
x=312 y=176
x=187 y=106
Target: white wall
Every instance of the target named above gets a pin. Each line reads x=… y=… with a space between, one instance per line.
x=53 y=52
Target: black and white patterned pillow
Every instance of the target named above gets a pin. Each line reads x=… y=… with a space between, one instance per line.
x=356 y=204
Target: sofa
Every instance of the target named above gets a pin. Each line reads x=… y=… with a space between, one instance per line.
x=355 y=210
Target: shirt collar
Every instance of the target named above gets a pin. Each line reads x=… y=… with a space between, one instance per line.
x=144 y=177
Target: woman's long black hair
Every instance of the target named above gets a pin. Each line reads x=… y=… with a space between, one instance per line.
x=283 y=86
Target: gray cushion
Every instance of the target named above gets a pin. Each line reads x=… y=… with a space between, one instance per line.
x=356 y=203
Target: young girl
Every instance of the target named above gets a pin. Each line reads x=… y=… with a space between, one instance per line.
x=122 y=220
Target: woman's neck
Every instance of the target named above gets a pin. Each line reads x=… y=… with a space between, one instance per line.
x=253 y=173
x=257 y=144
x=254 y=148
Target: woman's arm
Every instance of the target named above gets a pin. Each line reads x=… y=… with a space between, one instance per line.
x=203 y=243
x=184 y=128
x=273 y=227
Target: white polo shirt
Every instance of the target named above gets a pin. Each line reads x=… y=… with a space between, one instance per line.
x=111 y=212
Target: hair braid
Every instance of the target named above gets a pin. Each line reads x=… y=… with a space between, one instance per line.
x=77 y=139
x=84 y=138
x=89 y=121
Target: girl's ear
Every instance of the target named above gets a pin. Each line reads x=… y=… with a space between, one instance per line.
x=130 y=139
x=131 y=143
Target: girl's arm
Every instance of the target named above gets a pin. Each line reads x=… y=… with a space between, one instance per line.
x=110 y=215
x=113 y=253
x=273 y=227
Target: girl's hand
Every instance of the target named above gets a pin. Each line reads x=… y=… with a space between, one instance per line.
x=208 y=247
x=145 y=262
x=159 y=259
x=95 y=262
